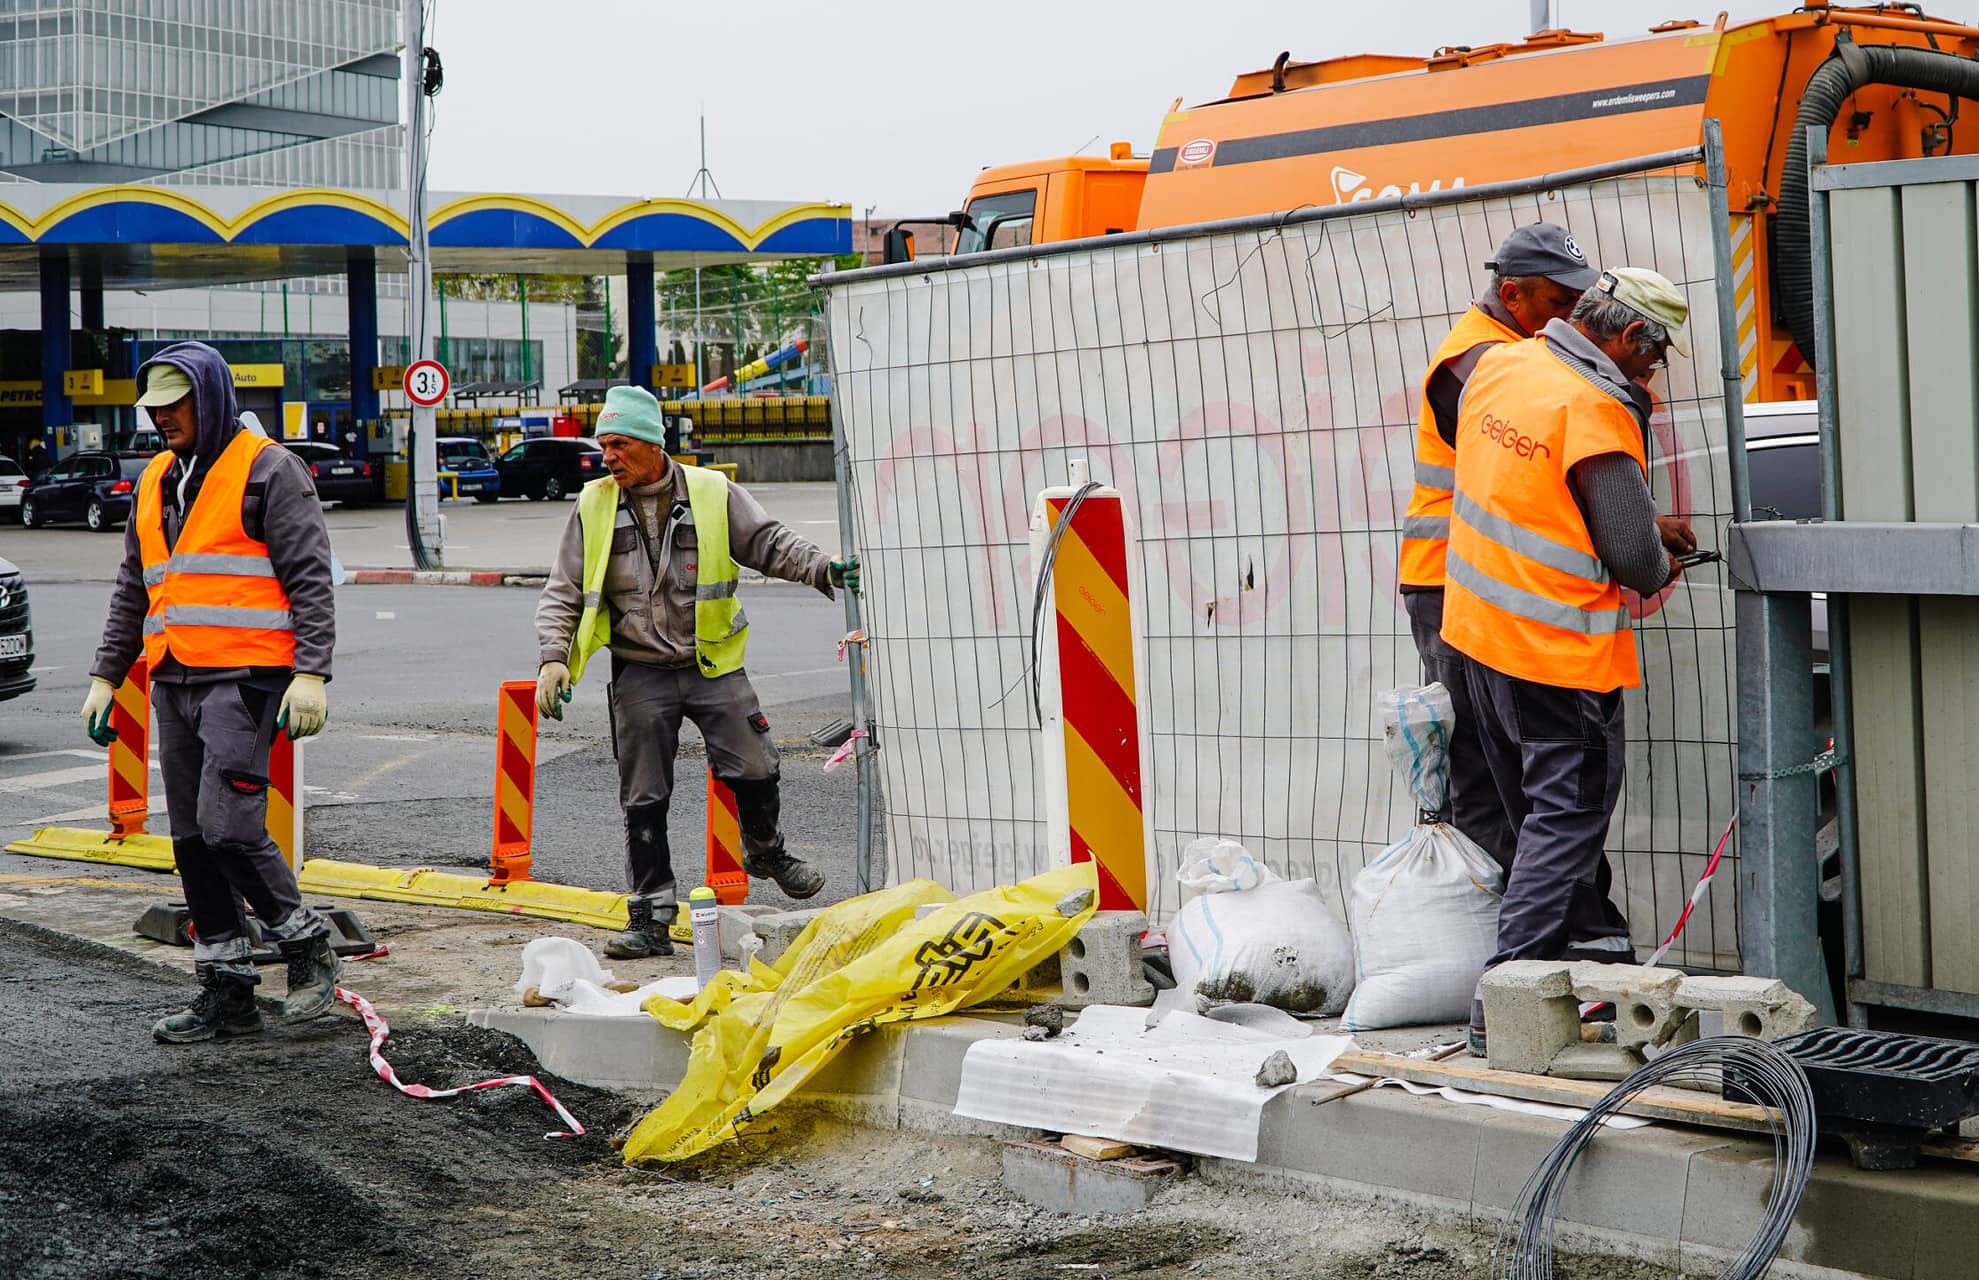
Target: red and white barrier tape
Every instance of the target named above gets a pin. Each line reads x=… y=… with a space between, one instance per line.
x=845 y=749
x=1697 y=894
x=851 y=637
x=380 y=1030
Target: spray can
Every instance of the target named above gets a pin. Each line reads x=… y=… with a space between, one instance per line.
x=705 y=916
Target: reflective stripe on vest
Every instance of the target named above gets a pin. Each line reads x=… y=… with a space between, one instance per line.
x=1525 y=593
x=1426 y=530
x=720 y=626
x=213 y=598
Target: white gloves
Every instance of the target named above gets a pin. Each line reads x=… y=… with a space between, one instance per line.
x=552 y=689
x=96 y=711
x=304 y=707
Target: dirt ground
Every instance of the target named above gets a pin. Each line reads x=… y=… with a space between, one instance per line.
x=282 y=1155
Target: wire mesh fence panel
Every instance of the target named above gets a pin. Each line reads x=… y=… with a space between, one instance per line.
x=1253 y=395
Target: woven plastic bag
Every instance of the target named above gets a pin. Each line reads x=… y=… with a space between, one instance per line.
x=1425 y=913
x=1249 y=936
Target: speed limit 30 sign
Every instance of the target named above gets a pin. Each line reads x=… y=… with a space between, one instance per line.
x=426 y=383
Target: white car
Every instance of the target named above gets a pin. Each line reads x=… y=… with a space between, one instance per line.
x=12 y=481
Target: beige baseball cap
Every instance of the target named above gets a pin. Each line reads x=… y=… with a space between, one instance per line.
x=164 y=384
x=1652 y=296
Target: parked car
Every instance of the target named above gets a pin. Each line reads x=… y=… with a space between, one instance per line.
x=1783 y=466
x=475 y=471
x=95 y=488
x=13 y=481
x=16 y=634
x=338 y=478
x=554 y=467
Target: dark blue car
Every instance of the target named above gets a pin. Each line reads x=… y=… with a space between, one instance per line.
x=95 y=488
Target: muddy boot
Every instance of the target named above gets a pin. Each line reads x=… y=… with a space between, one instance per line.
x=646 y=931
x=313 y=972
x=224 y=1007
x=796 y=877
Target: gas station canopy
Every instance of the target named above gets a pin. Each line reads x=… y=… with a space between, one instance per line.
x=144 y=237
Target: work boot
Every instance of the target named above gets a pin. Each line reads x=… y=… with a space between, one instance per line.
x=645 y=934
x=313 y=972
x=1474 y=1040
x=224 y=1007
x=796 y=877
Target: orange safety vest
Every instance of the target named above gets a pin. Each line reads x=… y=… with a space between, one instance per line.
x=1426 y=529
x=1526 y=595
x=215 y=601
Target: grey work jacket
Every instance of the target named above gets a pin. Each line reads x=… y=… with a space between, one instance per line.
x=652 y=606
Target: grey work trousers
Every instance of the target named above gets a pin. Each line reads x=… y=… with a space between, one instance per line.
x=1471 y=804
x=647 y=707
x=1556 y=756
x=213 y=742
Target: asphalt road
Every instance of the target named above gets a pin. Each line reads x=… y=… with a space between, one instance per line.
x=404 y=774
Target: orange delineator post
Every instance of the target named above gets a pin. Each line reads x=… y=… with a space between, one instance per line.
x=285 y=798
x=725 y=874
x=1091 y=583
x=515 y=781
x=130 y=754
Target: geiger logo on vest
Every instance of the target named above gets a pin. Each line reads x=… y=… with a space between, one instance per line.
x=1501 y=430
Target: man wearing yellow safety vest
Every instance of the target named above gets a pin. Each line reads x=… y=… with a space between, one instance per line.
x=226 y=589
x=1537 y=275
x=1551 y=517
x=648 y=568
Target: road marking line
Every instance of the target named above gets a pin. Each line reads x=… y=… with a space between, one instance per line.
x=78 y=752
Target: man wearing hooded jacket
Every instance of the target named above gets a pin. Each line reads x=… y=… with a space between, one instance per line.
x=226 y=589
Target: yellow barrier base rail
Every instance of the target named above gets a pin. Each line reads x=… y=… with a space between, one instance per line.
x=418 y=886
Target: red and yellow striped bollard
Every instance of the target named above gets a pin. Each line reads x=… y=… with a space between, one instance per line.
x=130 y=754
x=515 y=781
x=1093 y=627
x=285 y=798
x=725 y=874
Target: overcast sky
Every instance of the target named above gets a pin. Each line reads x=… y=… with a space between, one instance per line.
x=889 y=105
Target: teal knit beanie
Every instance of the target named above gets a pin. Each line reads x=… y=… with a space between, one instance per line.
x=631 y=411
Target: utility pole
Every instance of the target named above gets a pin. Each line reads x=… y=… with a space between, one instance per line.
x=425 y=531
x=704 y=180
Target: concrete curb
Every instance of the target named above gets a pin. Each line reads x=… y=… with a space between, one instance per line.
x=1670 y=1194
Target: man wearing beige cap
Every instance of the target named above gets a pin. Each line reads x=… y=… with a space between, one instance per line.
x=1551 y=517
x=225 y=588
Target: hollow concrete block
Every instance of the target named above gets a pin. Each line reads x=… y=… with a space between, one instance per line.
x=1647 y=1010
x=1530 y=1014
x=1050 y=1177
x=779 y=929
x=1102 y=963
x=1764 y=1008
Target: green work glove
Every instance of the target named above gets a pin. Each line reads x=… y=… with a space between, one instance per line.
x=845 y=573
x=552 y=689
x=96 y=711
x=304 y=707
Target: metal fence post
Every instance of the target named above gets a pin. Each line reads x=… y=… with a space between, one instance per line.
x=862 y=747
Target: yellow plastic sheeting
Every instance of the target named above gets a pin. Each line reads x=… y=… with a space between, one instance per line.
x=151 y=853
x=861 y=964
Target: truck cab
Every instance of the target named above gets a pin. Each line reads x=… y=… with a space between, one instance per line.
x=1041 y=201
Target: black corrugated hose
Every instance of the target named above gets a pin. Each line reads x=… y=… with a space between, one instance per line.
x=1766 y=1075
x=1853 y=66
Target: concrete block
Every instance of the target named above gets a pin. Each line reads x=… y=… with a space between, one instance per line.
x=778 y=929
x=931 y=1068
x=635 y=1055
x=1647 y=1010
x=1530 y=1014
x=736 y=925
x=1764 y=1008
x=1595 y=1062
x=1102 y=964
x=1050 y=1177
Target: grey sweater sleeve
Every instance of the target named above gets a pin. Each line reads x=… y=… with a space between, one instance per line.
x=1613 y=496
x=123 y=630
x=299 y=545
x=773 y=548
x=562 y=601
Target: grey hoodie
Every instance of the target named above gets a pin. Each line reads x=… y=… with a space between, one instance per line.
x=280 y=508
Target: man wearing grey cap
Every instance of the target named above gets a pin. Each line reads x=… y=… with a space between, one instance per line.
x=1537 y=275
x=226 y=590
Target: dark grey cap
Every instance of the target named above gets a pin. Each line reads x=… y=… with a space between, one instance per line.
x=1543 y=249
